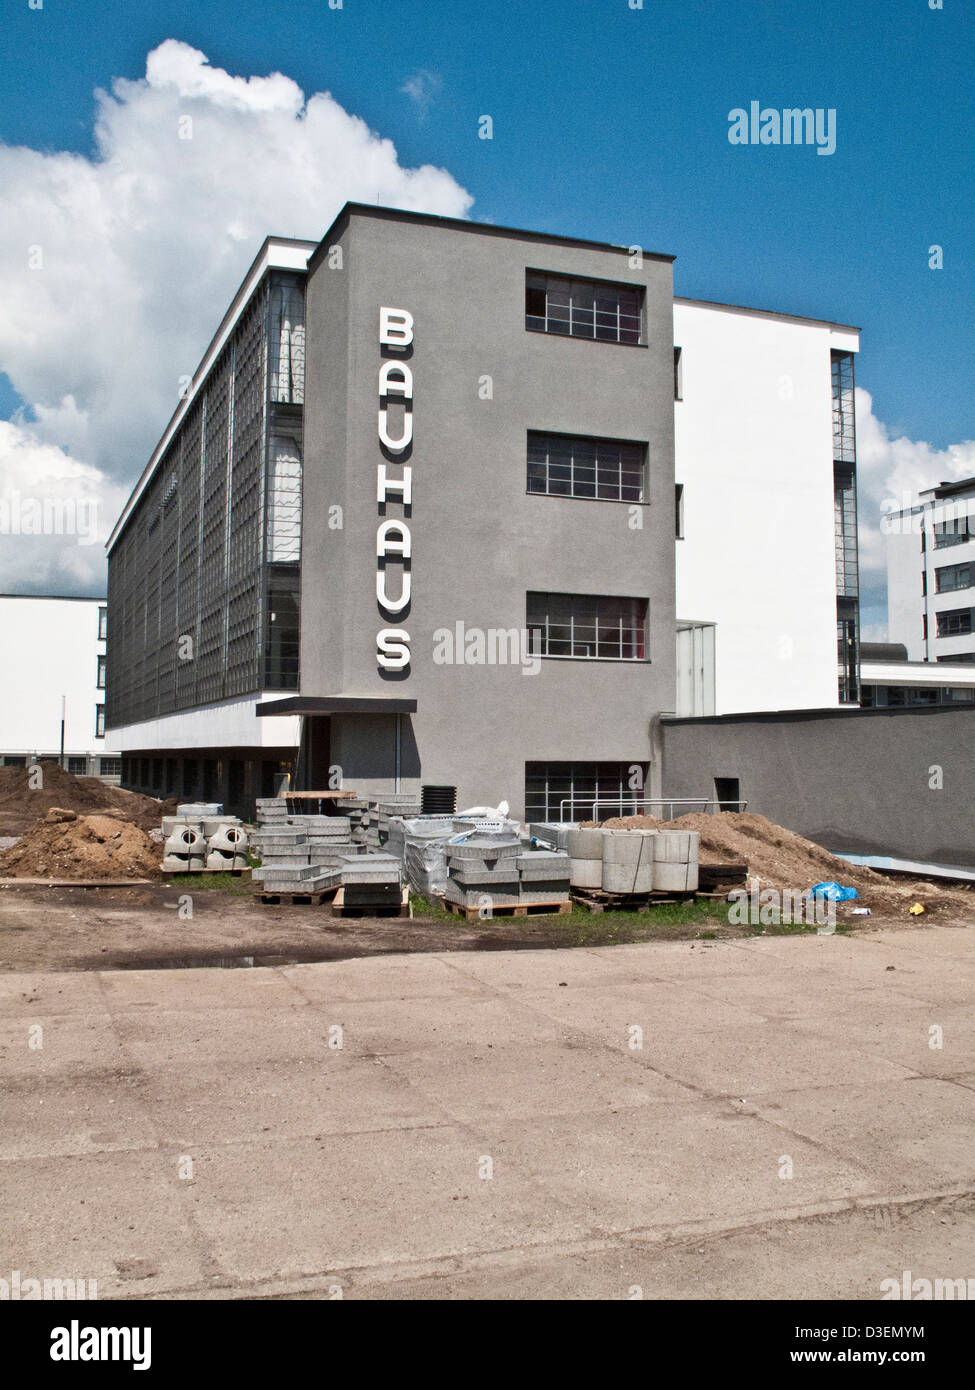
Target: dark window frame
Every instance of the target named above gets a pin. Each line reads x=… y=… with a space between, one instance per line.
x=589 y=621
x=546 y=466
x=965 y=569
x=581 y=310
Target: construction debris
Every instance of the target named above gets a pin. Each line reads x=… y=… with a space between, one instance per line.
x=71 y=846
x=28 y=793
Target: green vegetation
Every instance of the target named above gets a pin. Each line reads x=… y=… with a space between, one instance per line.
x=235 y=885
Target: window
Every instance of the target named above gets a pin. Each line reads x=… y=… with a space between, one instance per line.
x=679 y=511
x=102 y=624
x=598 y=309
x=966 y=658
x=924 y=583
x=79 y=766
x=286 y=341
x=678 y=374
x=99 y=721
x=956 y=622
x=951 y=577
x=281 y=643
x=844 y=417
x=954 y=531
x=110 y=767
x=610 y=470
x=584 y=791
x=912 y=696
x=101 y=673
x=587 y=626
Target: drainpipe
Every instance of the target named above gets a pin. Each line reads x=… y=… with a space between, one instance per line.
x=656 y=758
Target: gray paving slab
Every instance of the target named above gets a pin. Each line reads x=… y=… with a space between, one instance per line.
x=487 y=1127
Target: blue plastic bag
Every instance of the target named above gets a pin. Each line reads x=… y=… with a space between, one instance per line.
x=833 y=892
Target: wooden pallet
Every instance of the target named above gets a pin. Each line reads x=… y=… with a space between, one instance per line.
x=596 y=900
x=204 y=870
x=388 y=909
x=710 y=875
x=543 y=909
x=296 y=899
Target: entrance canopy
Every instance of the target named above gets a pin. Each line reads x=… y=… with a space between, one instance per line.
x=334 y=704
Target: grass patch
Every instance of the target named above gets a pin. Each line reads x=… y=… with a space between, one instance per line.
x=233 y=885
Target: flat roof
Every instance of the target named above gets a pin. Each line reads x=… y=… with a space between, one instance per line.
x=61 y=598
x=950 y=489
x=765 y=313
x=797 y=716
x=466 y=224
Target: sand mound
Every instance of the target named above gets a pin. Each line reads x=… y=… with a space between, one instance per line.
x=66 y=845
x=28 y=793
x=781 y=859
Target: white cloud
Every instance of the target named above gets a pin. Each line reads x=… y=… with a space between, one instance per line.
x=895 y=470
x=115 y=269
x=421 y=88
x=55 y=515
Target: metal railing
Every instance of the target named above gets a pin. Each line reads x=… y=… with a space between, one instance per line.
x=639 y=804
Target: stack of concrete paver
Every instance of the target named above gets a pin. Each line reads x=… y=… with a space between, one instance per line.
x=370 y=880
x=493 y=871
x=370 y=818
x=308 y=854
x=299 y=854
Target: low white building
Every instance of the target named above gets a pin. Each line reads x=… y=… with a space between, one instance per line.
x=55 y=650
x=931 y=574
x=765 y=467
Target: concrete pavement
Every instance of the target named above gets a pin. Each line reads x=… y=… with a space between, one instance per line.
x=758 y=1118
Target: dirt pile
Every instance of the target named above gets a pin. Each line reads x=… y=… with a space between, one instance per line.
x=781 y=859
x=28 y=793
x=66 y=845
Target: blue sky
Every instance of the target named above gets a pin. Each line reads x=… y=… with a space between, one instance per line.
x=609 y=123
x=612 y=123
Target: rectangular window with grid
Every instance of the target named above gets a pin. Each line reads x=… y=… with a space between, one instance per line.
x=587 y=626
x=956 y=622
x=954 y=530
x=584 y=791
x=565 y=465
x=951 y=577
x=598 y=309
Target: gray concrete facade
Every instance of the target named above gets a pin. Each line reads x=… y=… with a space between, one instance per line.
x=480 y=542
x=894 y=782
